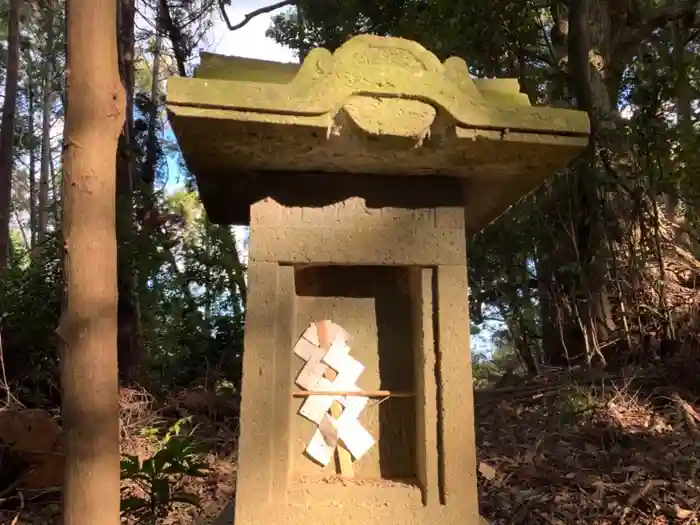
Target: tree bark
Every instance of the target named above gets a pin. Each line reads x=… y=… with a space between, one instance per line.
x=43 y=211
x=88 y=326
x=7 y=129
x=152 y=142
x=128 y=341
x=684 y=111
x=56 y=195
x=32 y=154
x=176 y=39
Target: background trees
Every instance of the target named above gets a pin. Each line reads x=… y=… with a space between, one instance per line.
x=180 y=284
x=598 y=261
x=598 y=267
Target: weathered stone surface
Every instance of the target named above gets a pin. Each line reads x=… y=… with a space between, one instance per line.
x=396 y=279
x=377 y=105
x=361 y=173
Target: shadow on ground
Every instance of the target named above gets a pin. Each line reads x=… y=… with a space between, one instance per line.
x=622 y=450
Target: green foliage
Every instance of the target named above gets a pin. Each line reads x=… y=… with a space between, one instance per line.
x=30 y=302
x=489 y=368
x=188 y=282
x=576 y=407
x=158 y=479
x=484 y=371
x=192 y=318
x=561 y=271
x=189 y=295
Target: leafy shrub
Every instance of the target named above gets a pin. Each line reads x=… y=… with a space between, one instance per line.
x=160 y=477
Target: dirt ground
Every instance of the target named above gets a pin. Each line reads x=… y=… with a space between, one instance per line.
x=555 y=450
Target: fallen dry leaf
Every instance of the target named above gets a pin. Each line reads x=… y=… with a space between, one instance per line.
x=487 y=471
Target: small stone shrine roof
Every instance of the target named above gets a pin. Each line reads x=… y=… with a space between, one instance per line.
x=377 y=106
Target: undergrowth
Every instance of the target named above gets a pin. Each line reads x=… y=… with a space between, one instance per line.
x=153 y=486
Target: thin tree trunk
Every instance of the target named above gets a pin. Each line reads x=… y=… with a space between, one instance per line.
x=7 y=129
x=129 y=316
x=60 y=79
x=152 y=144
x=56 y=194
x=684 y=100
x=175 y=38
x=46 y=127
x=55 y=67
x=32 y=156
x=22 y=232
x=88 y=326
x=684 y=92
x=149 y=172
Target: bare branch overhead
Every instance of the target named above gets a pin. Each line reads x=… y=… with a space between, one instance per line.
x=250 y=16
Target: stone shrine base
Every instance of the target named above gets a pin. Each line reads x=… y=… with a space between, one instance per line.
x=385 y=259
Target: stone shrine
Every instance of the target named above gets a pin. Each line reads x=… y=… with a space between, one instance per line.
x=361 y=173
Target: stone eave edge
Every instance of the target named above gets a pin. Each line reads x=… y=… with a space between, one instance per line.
x=180 y=115
x=326 y=81
x=278 y=104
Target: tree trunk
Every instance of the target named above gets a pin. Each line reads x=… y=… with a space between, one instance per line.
x=582 y=38
x=88 y=326
x=129 y=324
x=176 y=39
x=684 y=111
x=7 y=129
x=148 y=208
x=684 y=91
x=152 y=143
x=32 y=156
x=56 y=195
x=46 y=127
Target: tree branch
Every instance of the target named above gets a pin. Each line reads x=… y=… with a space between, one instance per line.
x=579 y=48
x=250 y=16
x=175 y=37
x=674 y=10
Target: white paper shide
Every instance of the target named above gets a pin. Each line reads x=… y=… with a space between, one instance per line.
x=313 y=377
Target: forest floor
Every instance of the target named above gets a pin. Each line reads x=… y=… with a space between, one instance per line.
x=559 y=449
x=623 y=450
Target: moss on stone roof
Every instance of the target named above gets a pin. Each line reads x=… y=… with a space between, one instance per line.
x=377 y=105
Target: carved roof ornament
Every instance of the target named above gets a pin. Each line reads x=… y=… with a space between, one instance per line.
x=377 y=105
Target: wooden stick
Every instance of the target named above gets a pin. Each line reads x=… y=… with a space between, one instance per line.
x=353 y=393
x=343 y=458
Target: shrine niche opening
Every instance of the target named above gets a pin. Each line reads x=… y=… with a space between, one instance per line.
x=373 y=304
